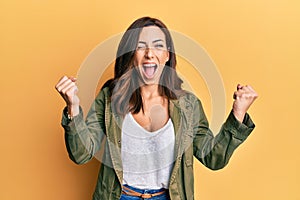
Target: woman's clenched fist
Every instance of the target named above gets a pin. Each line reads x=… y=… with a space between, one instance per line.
x=244 y=97
x=67 y=88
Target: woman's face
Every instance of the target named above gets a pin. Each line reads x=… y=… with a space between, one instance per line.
x=151 y=54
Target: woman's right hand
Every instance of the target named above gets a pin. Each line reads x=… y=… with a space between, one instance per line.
x=67 y=88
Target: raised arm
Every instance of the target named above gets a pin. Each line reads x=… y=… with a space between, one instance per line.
x=215 y=152
x=83 y=137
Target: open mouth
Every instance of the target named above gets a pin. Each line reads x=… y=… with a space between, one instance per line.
x=149 y=69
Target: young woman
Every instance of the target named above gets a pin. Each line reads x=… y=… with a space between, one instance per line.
x=148 y=126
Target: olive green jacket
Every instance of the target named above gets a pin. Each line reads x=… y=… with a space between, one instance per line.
x=102 y=130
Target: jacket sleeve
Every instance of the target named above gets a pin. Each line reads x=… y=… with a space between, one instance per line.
x=84 y=137
x=215 y=152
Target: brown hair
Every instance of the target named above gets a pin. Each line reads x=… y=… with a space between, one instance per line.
x=124 y=87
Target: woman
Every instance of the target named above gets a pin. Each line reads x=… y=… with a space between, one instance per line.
x=151 y=128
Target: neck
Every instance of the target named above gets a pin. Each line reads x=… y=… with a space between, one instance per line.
x=148 y=91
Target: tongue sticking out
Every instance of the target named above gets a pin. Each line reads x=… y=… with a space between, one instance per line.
x=149 y=71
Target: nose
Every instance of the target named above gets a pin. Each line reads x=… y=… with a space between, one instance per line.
x=149 y=52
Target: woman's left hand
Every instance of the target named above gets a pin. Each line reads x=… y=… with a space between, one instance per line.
x=244 y=97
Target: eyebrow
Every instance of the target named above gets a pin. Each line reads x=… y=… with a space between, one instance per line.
x=158 y=40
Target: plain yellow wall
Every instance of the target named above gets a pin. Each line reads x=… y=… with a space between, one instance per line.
x=252 y=42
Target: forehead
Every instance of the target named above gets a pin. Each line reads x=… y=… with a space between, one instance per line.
x=151 y=33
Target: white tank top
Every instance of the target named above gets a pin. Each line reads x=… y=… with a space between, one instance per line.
x=147 y=157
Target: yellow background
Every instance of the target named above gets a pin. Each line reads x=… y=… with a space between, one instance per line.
x=252 y=42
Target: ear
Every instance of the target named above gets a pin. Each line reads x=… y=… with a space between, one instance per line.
x=167 y=58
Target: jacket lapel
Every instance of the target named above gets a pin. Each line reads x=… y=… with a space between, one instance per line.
x=113 y=123
x=175 y=114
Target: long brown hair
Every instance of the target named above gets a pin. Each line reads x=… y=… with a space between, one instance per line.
x=124 y=87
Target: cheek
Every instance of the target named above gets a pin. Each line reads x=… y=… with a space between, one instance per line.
x=137 y=59
x=163 y=57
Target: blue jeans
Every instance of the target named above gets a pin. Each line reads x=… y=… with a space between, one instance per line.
x=164 y=196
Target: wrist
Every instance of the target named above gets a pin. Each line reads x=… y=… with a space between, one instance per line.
x=73 y=110
x=239 y=115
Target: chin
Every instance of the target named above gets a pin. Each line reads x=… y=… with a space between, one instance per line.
x=150 y=82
